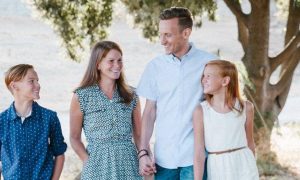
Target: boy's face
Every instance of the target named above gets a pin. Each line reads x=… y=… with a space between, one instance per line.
x=28 y=88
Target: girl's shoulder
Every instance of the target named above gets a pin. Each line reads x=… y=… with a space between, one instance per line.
x=248 y=105
x=204 y=103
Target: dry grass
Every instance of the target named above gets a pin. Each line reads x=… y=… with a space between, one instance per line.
x=285 y=142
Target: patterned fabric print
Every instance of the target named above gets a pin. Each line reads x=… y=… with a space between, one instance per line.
x=107 y=126
x=28 y=148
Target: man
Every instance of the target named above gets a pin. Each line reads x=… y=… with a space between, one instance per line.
x=171 y=86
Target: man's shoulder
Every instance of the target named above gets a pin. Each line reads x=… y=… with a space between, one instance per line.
x=159 y=58
x=204 y=54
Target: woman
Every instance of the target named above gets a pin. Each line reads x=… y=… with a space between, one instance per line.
x=108 y=111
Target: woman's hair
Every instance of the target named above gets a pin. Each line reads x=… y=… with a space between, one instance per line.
x=92 y=74
x=232 y=93
x=16 y=73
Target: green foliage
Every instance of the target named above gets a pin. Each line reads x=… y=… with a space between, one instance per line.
x=146 y=12
x=86 y=21
x=77 y=21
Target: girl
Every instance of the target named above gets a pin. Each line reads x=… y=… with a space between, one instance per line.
x=223 y=124
x=108 y=111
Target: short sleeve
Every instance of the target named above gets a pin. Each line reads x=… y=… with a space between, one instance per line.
x=80 y=96
x=57 y=144
x=148 y=86
x=135 y=99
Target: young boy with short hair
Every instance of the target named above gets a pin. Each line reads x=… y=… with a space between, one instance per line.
x=31 y=142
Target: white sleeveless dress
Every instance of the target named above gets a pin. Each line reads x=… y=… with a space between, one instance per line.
x=224 y=131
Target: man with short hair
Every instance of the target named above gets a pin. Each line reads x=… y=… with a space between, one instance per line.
x=171 y=86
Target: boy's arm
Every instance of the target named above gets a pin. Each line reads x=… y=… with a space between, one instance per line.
x=58 y=166
x=199 y=150
x=57 y=146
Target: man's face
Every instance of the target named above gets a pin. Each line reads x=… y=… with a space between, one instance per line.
x=172 y=37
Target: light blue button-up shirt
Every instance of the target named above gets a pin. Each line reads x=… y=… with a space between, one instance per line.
x=175 y=86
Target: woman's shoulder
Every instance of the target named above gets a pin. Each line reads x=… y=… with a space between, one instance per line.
x=86 y=89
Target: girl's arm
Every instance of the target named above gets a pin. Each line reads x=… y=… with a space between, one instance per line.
x=58 y=166
x=76 y=118
x=249 y=125
x=199 y=150
x=137 y=123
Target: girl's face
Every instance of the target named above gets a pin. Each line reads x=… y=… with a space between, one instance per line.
x=28 y=88
x=212 y=81
x=111 y=65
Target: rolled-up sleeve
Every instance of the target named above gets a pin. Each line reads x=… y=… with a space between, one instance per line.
x=57 y=144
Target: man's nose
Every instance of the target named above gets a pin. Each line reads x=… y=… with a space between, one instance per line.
x=162 y=40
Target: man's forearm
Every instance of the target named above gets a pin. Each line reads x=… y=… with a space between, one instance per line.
x=146 y=133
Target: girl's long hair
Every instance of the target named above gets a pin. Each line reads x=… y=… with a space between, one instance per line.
x=227 y=68
x=92 y=74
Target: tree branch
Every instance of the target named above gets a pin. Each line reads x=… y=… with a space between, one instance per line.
x=236 y=9
x=292 y=26
x=287 y=73
x=286 y=53
x=243 y=34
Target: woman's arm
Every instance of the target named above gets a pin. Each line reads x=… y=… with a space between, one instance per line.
x=76 y=118
x=137 y=123
x=249 y=125
x=58 y=166
x=199 y=150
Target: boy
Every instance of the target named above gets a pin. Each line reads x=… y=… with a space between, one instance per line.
x=31 y=142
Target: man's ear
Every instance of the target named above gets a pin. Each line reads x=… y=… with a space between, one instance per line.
x=225 y=81
x=186 y=33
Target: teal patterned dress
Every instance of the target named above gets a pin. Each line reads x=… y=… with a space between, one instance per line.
x=107 y=125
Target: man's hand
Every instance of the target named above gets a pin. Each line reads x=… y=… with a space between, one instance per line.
x=146 y=166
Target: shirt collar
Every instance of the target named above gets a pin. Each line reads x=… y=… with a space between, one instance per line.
x=13 y=113
x=190 y=52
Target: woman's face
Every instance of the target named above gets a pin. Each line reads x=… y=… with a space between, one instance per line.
x=111 y=65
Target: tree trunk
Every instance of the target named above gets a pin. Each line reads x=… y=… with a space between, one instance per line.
x=267 y=98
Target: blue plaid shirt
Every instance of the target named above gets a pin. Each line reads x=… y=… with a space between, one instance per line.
x=28 y=149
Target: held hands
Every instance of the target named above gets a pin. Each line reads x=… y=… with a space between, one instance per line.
x=146 y=163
